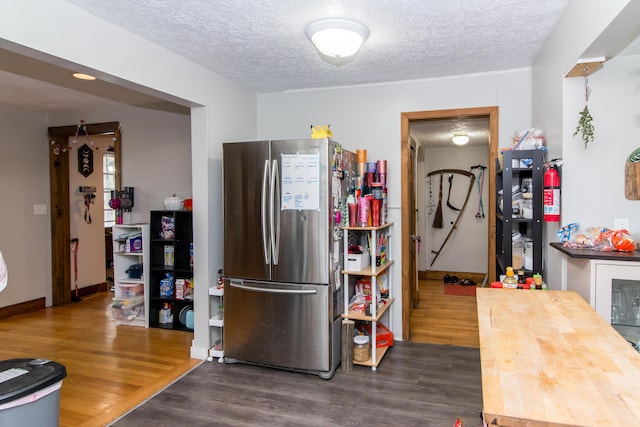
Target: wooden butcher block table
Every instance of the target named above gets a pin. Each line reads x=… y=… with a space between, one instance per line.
x=548 y=359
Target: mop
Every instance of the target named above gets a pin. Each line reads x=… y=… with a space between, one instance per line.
x=74 y=248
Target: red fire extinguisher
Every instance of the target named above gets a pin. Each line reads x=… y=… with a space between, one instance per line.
x=551 y=193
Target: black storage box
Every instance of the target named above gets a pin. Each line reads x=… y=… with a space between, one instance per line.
x=30 y=392
x=135 y=271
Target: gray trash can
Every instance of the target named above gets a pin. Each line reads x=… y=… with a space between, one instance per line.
x=30 y=392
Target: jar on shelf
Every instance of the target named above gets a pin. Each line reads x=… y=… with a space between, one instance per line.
x=361 y=348
x=517 y=251
x=528 y=253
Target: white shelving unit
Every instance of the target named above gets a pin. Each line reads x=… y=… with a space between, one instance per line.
x=216 y=322
x=130 y=304
x=370 y=234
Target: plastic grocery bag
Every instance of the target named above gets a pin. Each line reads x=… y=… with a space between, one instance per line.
x=4 y=275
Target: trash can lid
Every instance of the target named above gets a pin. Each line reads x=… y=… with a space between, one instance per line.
x=21 y=377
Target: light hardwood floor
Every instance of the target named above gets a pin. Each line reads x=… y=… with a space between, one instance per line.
x=444 y=319
x=110 y=369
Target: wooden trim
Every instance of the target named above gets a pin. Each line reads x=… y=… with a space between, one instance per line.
x=405 y=153
x=91 y=289
x=23 y=307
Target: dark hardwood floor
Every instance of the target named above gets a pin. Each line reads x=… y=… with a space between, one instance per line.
x=429 y=381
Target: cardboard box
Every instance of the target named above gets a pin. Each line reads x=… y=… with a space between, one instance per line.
x=384 y=337
x=357 y=262
x=133 y=244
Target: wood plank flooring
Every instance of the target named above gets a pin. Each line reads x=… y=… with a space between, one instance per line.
x=426 y=385
x=444 y=319
x=110 y=369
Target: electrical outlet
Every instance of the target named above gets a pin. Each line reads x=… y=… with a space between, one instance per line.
x=39 y=209
x=620 y=223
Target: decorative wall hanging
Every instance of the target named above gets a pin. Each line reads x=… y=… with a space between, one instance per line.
x=85 y=160
x=585 y=126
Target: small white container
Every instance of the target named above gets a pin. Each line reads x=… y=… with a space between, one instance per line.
x=173 y=203
x=357 y=262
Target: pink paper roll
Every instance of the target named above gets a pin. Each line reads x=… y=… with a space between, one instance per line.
x=382 y=177
x=363 y=211
x=382 y=166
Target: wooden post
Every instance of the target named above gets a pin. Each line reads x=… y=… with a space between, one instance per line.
x=347 y=345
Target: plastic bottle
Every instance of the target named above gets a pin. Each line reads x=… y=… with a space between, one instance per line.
x=537 y=281
x=165 y=314
x=510 y=282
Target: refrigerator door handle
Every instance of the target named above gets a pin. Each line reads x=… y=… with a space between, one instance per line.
x=265 y=240
x=275 y=212
x=274 y=290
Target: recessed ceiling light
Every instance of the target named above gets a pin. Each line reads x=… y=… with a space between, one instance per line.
x=460 y=138
x=83 y=76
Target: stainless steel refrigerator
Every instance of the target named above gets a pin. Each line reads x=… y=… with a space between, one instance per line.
x=283 y=205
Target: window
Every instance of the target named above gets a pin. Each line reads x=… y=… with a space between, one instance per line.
x=109 y=184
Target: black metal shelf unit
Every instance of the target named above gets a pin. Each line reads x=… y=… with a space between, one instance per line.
x=170 y=254
x=508 y=221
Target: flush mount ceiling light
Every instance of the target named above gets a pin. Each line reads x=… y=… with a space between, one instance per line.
x=336 y=39
x=83 y=76
x=460 y=138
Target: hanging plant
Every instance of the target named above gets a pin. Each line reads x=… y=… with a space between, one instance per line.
x=585 y=126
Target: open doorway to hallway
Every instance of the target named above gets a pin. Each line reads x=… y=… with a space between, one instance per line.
x=411 y=214
x=67 y=198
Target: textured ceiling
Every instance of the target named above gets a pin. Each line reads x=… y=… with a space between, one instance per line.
x=262 y=44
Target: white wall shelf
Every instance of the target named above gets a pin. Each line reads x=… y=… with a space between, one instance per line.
x=130 y=250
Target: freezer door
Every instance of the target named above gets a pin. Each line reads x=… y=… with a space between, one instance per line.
x=276 y=324
x=301 y=228
x=246 y=174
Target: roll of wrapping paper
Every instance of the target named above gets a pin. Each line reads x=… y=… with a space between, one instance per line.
x=375 y=212
x=363 y=212
x=361 y=156
x=382 y=177
x=382 y=172
x=382 y=166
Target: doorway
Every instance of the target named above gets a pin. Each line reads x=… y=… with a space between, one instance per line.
x=408 y=199
x=60 y=162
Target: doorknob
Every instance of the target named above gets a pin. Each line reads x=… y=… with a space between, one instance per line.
x=418 y=239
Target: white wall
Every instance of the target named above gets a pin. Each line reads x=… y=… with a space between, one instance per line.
x=221 y=109
x=556 y=102
x=615 y=107
x=25 y=239
x=369 y=117
x=155 y=153
x=467 y=250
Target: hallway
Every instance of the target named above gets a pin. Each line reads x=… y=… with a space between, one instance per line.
x=444 y=319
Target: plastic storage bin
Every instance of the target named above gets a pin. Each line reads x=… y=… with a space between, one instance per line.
x=30 y=392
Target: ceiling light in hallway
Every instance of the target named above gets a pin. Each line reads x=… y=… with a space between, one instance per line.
x=460 y=138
